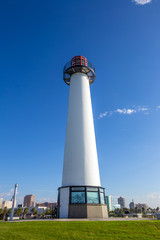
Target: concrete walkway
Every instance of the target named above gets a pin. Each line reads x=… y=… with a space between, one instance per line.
x=83 y=219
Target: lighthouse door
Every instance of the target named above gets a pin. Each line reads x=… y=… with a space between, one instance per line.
x=64 y=202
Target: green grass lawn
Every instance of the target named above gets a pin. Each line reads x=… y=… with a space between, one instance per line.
x=46 y=230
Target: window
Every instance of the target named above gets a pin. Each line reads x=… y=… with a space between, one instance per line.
x=92 y=189
x=102 y=198
x=77 y=197
x=92 y=197
x=73 y=62
x=101 y=190
x=84 y=194
x=78 y=188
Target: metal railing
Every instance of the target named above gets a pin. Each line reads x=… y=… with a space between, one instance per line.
x=69 y=65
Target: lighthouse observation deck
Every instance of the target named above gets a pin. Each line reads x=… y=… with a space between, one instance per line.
x=78 y=64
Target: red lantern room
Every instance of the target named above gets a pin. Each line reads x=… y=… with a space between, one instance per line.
x=78 y=64
x=79 y=61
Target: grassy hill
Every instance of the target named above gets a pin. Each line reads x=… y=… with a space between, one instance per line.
x=47 y=230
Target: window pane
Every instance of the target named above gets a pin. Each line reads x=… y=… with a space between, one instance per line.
x=93 y=189
x=92 y=197
x=102 y=198
x=101 y=190
x=77 y=197
x=78 y=188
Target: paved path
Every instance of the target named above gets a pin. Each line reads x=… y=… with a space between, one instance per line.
x=83 y=219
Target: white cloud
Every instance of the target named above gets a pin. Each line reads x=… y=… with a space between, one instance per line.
x=142 y=109
x=120 y=111
x=101 y=115
x=154 y=195
x=153 y=199
x=7 y=194
x=142 y=2
x=125 y=111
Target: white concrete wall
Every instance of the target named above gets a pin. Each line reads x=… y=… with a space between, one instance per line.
x=64 y=203
x=80 y=165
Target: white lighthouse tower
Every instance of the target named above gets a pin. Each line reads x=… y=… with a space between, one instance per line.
x=81 y=194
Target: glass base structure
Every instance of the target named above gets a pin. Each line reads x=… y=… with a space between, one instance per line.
x=82 y=202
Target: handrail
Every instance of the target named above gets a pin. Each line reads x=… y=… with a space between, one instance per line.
x=69 y=65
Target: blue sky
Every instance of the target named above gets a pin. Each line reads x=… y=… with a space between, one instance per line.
x=122 y=40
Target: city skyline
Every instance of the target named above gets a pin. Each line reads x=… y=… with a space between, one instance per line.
x=121 y=39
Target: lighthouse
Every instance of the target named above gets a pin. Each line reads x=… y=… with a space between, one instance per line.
x=81 y=194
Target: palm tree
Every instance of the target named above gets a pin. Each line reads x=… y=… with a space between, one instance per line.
x=5 y=213
x=5 y=210
x=34 y=211
x=25 y=211
x=9 y=211
x=19 y=212
x=1 y=214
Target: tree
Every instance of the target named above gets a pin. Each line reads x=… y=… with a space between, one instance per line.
x=143 y=210
x=54 y=212
x=136 y=210
x=112 y=214
x=25 y=211
x=5 y=210
x=1 y=214
x=126 y=210
x=34 y=211
x=9 y=211
x=119 y=212
x=5 y=213
x=19 y=212
x=48 y=211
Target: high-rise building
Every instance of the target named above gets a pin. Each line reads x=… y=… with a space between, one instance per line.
x=81 y=194
x=132 y=205
x=122 y=202
x=141 y=206
x=7 y=204
x=29 y=201
x=46 y=204
x=109 y=203
x=1 y=202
